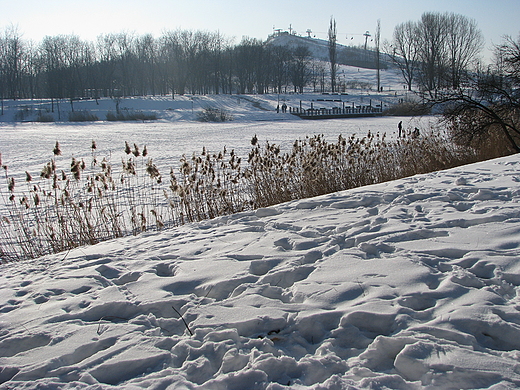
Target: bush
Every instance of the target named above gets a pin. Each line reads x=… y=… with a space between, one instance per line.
x=470 y=128
x=114 y=117
x=23 y=113
x=214 y=115
x=141 y=116
x=407 y=108
x=130 y=116
x=44 y=117
x=82 y=116
x=357 y=84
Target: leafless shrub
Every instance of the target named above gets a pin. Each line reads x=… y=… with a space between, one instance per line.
x=358 y=84
x=407 y=108
x=44 y=117
x=127 y=115
x=475 y=129
x=23 y=113
x=82 y=116
x=211 y=114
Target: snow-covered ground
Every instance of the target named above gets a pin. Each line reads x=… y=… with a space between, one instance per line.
x=403 y=285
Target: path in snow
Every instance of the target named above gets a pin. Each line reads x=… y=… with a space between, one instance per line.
x=403 y=284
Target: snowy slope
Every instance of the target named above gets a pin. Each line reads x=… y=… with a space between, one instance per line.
x=403 y=285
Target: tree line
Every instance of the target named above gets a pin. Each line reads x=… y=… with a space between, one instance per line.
x=125 y=64
x=437 y=51
x=433 y=54
x=439 y=58
x=484 y=109
x=439 y=55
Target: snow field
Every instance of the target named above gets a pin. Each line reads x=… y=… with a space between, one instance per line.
x=404 y=285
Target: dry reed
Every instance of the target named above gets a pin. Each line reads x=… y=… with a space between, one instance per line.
x=88 y=202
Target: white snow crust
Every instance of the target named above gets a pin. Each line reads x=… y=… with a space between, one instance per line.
x=411 y=284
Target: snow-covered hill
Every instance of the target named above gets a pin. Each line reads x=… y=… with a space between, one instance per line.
x=409 y=284
x=319 y=49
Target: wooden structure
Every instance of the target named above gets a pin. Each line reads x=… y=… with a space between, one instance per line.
x=346 y=112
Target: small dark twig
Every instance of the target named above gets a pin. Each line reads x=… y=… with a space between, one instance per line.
x=66 y=254
x=211 y=288
x=183 y=320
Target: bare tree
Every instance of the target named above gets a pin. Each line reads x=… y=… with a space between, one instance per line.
x=66 y=59
x=436 y=51
x=464 y=42
x=432 y=32
x=107 y=63
x=12 y=61
x=2 y=75
x=488 y=102
x=176 y=63
x=3 y=81
x=404 y=51
x=249 y=58
x=378 y=64
x=124 y=46
x=300 y=68
x=216 y=48
x=316 y=74
x=333 y=53
x=509 y=53
x=146 y=61
x=52 y=50
x=281 y=57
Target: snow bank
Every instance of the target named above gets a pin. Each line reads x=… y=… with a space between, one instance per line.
x=403 y=285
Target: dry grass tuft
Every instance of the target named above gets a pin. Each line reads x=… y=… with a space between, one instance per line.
x=408 y=108
x=316 y=167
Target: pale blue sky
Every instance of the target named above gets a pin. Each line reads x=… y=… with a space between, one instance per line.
x=253 y=18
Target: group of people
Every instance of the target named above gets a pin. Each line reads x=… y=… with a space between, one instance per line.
x=284 y=108
x=415 y=133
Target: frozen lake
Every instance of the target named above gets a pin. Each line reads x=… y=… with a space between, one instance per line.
x=28 y=146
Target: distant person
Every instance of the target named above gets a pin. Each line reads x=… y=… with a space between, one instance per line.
x=400 y=127
x=416 y=133
x=284 y=108
x=277 y=108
